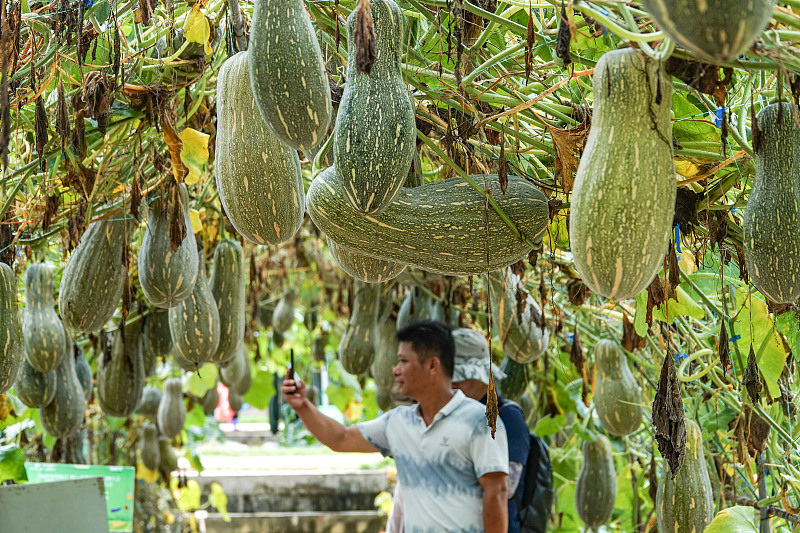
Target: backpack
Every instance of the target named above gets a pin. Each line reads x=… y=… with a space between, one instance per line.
x=537 y=485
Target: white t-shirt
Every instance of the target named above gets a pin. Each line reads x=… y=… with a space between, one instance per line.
x=439 y=465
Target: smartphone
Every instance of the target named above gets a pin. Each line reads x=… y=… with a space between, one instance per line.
x=291 y=364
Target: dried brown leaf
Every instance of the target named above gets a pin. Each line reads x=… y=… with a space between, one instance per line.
x=568 y=145
x=51 y=209
x=655 y=297
x=502 y=165
x=364 y=38
x=174 y=144
x=751 y=380
x=62 y=116
x=530 y=39
x=668 y=417
x=577 y=291
x=724 y=348
x=41 y=126
x=563 y=38
x=631 y=340
x=674 y=278
x=742 y=264
x=7 y=231
x=136 y=198
x=578 y=360
x=492 y=410
x=177 y=226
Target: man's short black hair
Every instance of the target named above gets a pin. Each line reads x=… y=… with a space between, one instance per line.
x=430 y=338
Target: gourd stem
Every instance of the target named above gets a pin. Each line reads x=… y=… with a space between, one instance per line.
x=319 y=159
x=587 y=9
x=498 y=58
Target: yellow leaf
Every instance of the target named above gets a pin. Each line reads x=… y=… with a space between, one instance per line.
x=354 y=410
x=194 y=216
x=384 y=502
x=194 y=153
x=685 y=168
x=219 y=500
x=188 y=496
x=197 y=29
x=144 y=473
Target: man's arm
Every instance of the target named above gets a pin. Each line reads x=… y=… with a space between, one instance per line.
x=328 y=431
x=495 y=502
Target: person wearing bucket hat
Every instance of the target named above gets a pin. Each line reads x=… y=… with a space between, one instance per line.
x=471 y=376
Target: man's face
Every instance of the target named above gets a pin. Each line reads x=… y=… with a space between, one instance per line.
x=472 y=388
x=409 y=374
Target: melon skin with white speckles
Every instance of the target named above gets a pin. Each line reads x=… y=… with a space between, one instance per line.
x=167 y=276
x=287 y=73
x=713 y=30
x=623 y=201
x=364 y=268
x=94 y=277
x=439 y=227
x=617 y=396
x=596 y=488
x=771 y=221
x=64 y=414
x=227 y=284
x=120 y=375
x=374 y=139
x=43 y=331
x=12 y=346
x=685 y=503
x=258 y=177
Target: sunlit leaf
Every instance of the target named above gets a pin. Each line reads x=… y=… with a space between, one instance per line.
x=261 y=390
x=738 y=519
x=194 y=153
x=199 y=382
x=197 y=28
x=144 y=473
x=188 y=497
x=195 y=417
x=12 y=464
x=219 y=500
x=684 y=306
x=549 y=425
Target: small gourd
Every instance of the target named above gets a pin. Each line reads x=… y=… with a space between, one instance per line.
x=83 y=370
x=242 y=386
x=617 y=396
x=194 y=323
x=44 y=333
x=168 y=461
x=385 y=352
x=596 y=489
x=283 y=316
x=94 y=277
x=211 y=400
x=771 y=221
x=228 y=280
x=357 y=345
x=236 y=401
x=120 y=374
x=685 y=503
x=157 y=338
x=35 y=389
x=375 y=136
x=235 y=369
x=171 y=410
x=167 y=276
x=151 y=452
x=12 y=345
x=151 y=398
x=623 y=202
x=64 y=415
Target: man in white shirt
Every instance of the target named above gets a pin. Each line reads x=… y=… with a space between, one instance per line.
x=453 y=473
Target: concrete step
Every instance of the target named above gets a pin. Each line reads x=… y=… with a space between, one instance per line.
x=298 y=522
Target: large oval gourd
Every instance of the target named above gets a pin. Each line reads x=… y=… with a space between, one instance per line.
x=374 y=139
x=283 y=316
x=624 y=196
x=12 y=346
x=94 y=277
x=194 y=323
x=287 y=73
x=357 y=346
x=713 y=30
x=35 y=389
x=43 y=331
x=120 y=375
x=151 y=453
x=771 y=221
x=596 y=489
x=363 y=267
x=521 y=330
x=685 y=503
x=64 y=415
x=227 y=283
x=617 y=396
x=171 y=410
x=258 y=177
x=167 y=276
x=439 y=227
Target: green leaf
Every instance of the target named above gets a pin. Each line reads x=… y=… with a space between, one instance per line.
x=640 y=318
x=12 y=464
x=771 y=357
x=738 y=519
x=549 y=425
x=114 y=422
x=200 y=382
x=340 y=395
x=691 y=123
x=49 y=441
x=261 y=390
x=195 y=417
x=788 y=325
x=219 y=500
x=684 y=306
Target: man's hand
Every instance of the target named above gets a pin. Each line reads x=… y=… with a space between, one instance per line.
x=294 y=393
x=495 y=502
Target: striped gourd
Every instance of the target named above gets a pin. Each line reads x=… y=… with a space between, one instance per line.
x=523 y=339
x=771 y=221
x=210 y=400
x=120 y=376
x=283 y=316
x=374 y=139
x=713 y=30
x=685 y=503
x=624 y=196
x=287 y=73
x=171 y=411
x=357 y=345
x=166 y=275
x=157 y=341
x=35 y=389
x=94 y=277
x=258 y=177
x=385 y=348
x=64 y=415
x=151 y=398
x=194 y=323
x=363 y=267
x=12 y=347
x=617 y=396
x=227 y=283
x=439 y=227
x=596 y=489
x=416 y=305
x=45 y=344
